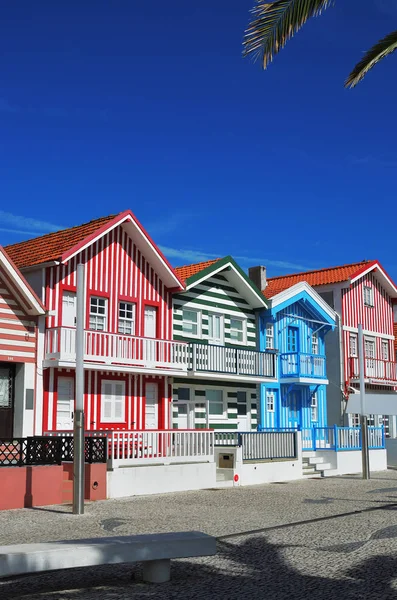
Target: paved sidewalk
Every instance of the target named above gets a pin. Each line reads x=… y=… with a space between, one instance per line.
x=335 y=538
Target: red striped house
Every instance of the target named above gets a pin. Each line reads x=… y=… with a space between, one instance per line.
x=21 y=332
x=129 y=355
x=359 y=293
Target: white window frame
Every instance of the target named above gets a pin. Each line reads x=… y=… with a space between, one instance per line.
x=314 y=407
x=211 y=339
x=315 y=343
x=125 y=320
x=211 y=416
x=353 y=338
x=112 y=419
x=243 y=330
x=372 y=342
x=96 y=315
x=385 y=346
x=199 y=321
x=368 y=295
x=270 y=401
x=269 y=336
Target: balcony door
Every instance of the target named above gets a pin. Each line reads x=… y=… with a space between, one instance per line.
x=150 y=331
x=216 y=329
x=65 y=404
x=69 y=309
x=370 y=369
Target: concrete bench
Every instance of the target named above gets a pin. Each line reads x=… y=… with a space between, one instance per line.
x=153 y=550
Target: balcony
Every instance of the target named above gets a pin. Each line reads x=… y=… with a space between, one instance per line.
x=116 y=352
x=302 y=367
x=231 y=364
x=377 y=371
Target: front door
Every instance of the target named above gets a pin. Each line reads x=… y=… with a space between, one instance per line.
x=65 y=404
x=69 y=309
x=6 y=401
x=151 y=412
x=370 y=369
x=294 y=409
x=243 y=412
x=216 y=333
x=150 y=331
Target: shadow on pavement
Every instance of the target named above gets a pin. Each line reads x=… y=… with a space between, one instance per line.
x=247 y=568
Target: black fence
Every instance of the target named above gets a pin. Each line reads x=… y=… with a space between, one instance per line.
x=41 y=450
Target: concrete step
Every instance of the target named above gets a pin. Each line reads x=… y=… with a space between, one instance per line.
x=314 y=460
x=224 y=475
x=330 y=473
x=308 y=454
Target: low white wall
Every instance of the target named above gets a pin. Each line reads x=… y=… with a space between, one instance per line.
x=391 y=447
x=255 y=473
x=160 y=479
x=350 y=461
x=23 y=409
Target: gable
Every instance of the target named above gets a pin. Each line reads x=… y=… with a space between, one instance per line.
x=215 y=295
x=308 y=299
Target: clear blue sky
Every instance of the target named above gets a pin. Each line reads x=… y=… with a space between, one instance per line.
x=149 y=105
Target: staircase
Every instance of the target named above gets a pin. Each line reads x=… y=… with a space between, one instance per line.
x=315 y=466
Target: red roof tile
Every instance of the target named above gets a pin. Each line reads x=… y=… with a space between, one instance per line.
x=52 y=246
x=314 y=278
x=188 y=270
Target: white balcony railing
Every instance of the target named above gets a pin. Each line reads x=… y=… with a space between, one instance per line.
x=374 y=369
x=300 y=364
x=117 y=349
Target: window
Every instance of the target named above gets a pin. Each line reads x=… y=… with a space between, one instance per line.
x=112 y=402
x=269 y=336
x=385 y=350
x=215 y=329
x=190 y=322
x=270 y=401
x=353 y=345
x=98 y=313
x=314 y=407
x=237 y=330
x=215 y=400
x=241 y=403
x=184 y=394
x=368 y=294
x=314 y=343
x=292 y=339
x=127 y=318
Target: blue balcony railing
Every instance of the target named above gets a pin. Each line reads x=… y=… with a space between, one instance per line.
x=300 y=364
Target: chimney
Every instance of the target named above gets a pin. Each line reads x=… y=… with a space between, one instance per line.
x=258 y=276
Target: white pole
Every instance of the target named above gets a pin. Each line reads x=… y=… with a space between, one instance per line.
x=78 y=439
x=363 y=416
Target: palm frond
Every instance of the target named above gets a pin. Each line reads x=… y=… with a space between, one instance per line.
x=381 y=49
x=273 y=24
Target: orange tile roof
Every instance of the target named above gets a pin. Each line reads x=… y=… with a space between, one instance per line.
x=188 y=270
x=51 y=246
x=314 y=278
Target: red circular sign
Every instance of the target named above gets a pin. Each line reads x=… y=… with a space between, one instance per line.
x=236 y=478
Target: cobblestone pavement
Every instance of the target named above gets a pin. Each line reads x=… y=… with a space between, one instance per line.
x=334 y=538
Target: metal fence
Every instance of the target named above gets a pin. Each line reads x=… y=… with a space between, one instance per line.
x=272 y=444
x=43 y=450
x=341 y=439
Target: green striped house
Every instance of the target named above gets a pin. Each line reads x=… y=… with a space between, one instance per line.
x=217 y=316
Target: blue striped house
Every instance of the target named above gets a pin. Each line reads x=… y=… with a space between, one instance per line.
x=294 y=326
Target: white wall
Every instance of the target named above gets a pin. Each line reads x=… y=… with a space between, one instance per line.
x=350 y=462
x=160 y=479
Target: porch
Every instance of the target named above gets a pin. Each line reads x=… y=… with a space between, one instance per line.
x=116 y=351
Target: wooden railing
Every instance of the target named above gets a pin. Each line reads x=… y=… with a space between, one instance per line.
x=374 y=368
x=232 y=361
x=115 y=348
x=300 y=364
